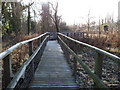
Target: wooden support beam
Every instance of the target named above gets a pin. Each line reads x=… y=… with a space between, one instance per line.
x=7 y=71
x=98 y=65
x=75 y=67
x=30 y=48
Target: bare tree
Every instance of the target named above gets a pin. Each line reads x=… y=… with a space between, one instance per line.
x=88 y=21
x=46 y=21
x=56 y=19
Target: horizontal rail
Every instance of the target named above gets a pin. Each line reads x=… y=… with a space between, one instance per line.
x=6 y=57
x=114 y=57
x=96 y=79
x=8 y=51
x=21 y=71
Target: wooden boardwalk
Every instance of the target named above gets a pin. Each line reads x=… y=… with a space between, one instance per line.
x=53 y=69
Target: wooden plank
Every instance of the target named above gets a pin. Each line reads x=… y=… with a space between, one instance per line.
x=53 y=70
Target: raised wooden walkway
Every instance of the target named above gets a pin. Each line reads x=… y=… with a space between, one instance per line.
x=53 y=69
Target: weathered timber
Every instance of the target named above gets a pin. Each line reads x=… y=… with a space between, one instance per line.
x=53 y=70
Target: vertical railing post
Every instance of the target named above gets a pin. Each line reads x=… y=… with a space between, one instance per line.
x=83 y=35
x=74 y=60
x=39 y=41
x=7 y=71
x=74 y=35
x=30 y=48
x=98 y=65
x=74 y=67
x=66 y=51
x=67 y=34
x=75 y=48
x=30 y=53
x=58 y=38
x=119 y=72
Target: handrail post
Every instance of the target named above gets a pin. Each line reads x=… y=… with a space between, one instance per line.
x=7 y=71
x=119 y=72
x=30 y=48
x=98 y=65
x=74 y=67
x=30 y=53
x=39 y=41
x=83 y=35
x=75 y=47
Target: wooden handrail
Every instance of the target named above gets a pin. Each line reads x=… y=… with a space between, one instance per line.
x=6 y=57
x=114 y=57
x=21 y=72
x=97 y=74
x=8 y=51
x=96 y=79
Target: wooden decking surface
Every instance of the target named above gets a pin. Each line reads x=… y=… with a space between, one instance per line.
x=53 y=69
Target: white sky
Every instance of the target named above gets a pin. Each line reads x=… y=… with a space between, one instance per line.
x=76 y=11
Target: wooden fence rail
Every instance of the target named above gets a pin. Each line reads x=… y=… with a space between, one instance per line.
x=22 y=77
x=66 y=43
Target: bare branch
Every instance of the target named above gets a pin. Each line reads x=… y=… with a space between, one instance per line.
x=52 y=6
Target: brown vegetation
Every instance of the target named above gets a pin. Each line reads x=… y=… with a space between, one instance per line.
x=19 y=55
x=109 y=41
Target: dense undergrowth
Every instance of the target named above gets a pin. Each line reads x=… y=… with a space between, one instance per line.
x=109 y=41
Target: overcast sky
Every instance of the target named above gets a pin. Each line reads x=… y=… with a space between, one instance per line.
x=76 y=11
